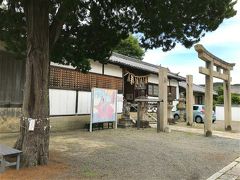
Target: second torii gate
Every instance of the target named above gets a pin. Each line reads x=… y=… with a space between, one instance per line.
x=222 y=72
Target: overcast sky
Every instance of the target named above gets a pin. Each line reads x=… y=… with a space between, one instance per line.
x=223 y=43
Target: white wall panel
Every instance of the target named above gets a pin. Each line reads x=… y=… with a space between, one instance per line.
x=62 y=102
x=112 y=70
x=235 y=113
x=84 y=102
x=119 y=103
x=96 y=67
x=153 y=78
x=173 y=82
x=61 y=65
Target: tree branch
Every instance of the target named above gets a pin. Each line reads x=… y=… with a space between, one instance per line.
x=56 y=26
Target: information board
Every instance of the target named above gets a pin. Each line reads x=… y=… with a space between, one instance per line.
x=103 y=106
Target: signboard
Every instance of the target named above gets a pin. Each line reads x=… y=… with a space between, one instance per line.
x=31 y=124
x=103 y=106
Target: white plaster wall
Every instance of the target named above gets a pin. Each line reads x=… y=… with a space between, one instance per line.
x=119 y=103
x=173 y=82
x=62 y=102
x=96 y=67
x=112 y=70
x=84 y=102
x=60 y=65
x=235 y=113
x=153 y=78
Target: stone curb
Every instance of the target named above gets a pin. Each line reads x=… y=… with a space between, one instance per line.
x=225 y=169
x=200 y=131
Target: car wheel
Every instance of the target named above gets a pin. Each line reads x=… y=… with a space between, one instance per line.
x=176 y=117
x=213 y=121
x=198 y=119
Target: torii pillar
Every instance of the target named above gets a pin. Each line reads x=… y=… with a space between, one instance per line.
x=222 y=72
x=189 y=100
x=227 y=103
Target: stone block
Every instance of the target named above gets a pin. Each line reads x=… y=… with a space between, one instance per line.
x=167 y=129
x=235 y=170
x=228 y=177
x=238 y=159
x=215 y=176
x=228 y=167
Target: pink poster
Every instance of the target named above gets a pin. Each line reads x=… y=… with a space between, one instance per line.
x=104 y=103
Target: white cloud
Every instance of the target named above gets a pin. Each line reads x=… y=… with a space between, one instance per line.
x=157 y=56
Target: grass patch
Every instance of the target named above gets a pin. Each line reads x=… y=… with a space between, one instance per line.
x=89 y=173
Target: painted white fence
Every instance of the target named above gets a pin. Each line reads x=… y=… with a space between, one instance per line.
x=235 y=112
x=63 y=102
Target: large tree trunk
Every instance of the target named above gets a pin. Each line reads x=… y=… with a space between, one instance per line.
x=35 y=144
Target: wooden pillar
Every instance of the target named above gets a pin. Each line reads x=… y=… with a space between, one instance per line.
x=227 y=102
x=189 y=100
x=162 y=94
x=138 y=115
x=208 y=100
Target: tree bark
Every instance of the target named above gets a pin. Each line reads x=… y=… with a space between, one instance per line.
x=35 y=144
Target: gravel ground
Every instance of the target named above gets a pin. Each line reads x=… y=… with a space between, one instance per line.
x=139 y=154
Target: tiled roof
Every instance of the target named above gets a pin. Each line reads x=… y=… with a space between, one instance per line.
x=235 y=89
x=138 y=64
x=196 y=88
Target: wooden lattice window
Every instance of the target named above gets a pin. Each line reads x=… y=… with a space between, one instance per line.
x=63 y=78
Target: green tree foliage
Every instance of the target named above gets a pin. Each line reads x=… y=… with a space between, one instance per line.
x=220 y=90
x=235 y=99
x=82 y=30
x=220 y=98
x=130 y=47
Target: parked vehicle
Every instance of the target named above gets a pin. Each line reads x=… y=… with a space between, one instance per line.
x=198 y=114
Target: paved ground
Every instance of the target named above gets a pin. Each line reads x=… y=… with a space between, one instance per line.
x=189 y=129
x=133 y=154
x=229 y=172
x=217 y=126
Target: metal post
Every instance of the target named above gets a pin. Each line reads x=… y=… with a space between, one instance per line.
x=18 y=162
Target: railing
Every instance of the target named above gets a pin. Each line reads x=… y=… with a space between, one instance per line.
x=149 y=115
x=152 y=117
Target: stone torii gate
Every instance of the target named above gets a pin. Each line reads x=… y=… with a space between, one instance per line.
x=222 y=72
